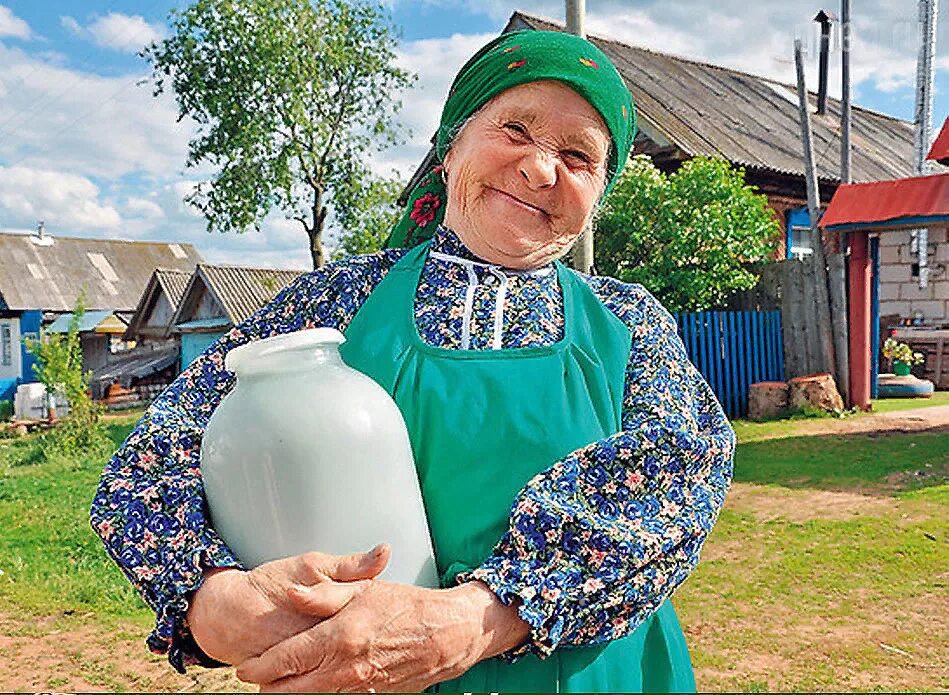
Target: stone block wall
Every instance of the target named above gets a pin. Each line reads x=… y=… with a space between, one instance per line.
x=899 y=289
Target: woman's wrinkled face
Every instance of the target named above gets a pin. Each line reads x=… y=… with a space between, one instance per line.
x=525 y=173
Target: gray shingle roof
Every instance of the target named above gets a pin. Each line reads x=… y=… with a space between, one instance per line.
x=705 y=109
x=239 y=290
x=48 y=274
x=174 y=283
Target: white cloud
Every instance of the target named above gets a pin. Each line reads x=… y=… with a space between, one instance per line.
x=63 y=201
x=57 y=118
x=144 y=208
x=71 y=24
x=11 y=25
x=435 y=61
x=120 y=32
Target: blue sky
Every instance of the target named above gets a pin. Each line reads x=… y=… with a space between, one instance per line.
x=87 y=149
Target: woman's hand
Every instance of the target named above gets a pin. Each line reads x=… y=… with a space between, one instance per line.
x=390 y=638
x=236 y=614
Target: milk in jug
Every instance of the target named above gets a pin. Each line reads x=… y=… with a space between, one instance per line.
x=306 y=454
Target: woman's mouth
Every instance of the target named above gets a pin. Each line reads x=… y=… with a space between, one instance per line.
x=514 y=200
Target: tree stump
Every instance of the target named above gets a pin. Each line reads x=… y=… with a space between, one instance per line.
x=767 y=399
x=818 y=390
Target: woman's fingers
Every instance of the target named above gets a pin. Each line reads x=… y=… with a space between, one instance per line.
x=325 y=600
x=293 y=656
x=316 y=567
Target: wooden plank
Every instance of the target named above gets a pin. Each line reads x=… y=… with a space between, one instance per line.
x=716 y=349
x=779 y=320
x=729 y=395
x=739 y=358
x=768 y=354
x=937 y=362
x=735 y=405
x=839 y=324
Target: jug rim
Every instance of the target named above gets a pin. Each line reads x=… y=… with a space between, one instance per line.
x=307 y=338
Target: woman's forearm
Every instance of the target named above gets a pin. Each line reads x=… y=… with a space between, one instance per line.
x=497 y=628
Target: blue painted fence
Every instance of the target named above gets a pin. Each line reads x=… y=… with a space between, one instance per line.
x=732 y=350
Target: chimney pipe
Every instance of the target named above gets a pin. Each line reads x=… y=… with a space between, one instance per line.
x=825 y=18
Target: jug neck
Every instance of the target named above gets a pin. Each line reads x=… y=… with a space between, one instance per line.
x=289 y=352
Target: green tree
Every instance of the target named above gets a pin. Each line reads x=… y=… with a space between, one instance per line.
x=289 y=97
x=367 y=215
x=59 y=368
x=691 y=238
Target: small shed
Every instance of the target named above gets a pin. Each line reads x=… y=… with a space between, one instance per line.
x=100 y=333
x=151 y=321
x=882 y=208
x=219 y=297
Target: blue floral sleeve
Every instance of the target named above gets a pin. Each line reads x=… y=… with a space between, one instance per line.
x=652 y=493
x=150 y=508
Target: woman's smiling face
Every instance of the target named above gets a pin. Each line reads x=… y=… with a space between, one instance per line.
x=525 y=173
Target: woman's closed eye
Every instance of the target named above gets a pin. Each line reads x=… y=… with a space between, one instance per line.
x=518 y=131
x=576 y=157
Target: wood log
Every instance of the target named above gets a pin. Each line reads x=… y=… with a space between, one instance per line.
x=817 y=390
x=767 y=399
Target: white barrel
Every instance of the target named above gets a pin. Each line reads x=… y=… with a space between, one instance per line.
x=306 y=454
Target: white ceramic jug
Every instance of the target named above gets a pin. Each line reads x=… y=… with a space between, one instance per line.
x=306 y=453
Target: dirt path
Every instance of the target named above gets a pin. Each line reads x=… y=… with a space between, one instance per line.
x=73 y=654
x=915 y=420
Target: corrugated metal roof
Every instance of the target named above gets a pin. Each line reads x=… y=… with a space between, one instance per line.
x=198 y=324
x=48 y=274
x=912 y=201
x=134 y=364
x=239 y=290
x=753 y=121
x=174 y=283
x=90 y=320
x=940 y=149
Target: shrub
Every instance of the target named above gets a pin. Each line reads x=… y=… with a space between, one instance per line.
x=59 y=368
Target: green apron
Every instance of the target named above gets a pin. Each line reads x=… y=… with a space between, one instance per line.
x=484 y=422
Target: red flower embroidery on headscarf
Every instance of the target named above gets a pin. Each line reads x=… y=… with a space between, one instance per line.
x=589 y=63
x=511 y=48
x=516 y=64
x=423 y=212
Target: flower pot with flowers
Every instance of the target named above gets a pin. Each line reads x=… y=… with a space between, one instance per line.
x=902 y=356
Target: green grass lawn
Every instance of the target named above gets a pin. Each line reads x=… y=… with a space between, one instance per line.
x=828 y=548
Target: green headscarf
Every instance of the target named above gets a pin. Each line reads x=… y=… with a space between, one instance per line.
x=507 y=61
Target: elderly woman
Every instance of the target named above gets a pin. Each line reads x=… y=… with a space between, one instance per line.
x=572 y=461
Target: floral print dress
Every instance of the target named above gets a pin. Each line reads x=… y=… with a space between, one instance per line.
x=653 y=490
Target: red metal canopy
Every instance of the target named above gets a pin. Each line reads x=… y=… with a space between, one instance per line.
x=940 y=148
x=913 y=201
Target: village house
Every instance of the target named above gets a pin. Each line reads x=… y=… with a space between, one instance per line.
x=41 y=277
x=219 y=297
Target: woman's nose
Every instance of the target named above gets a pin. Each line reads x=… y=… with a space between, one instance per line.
x=539 y=168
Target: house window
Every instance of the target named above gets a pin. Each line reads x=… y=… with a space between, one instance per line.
x=802 y=242
x=6 y=339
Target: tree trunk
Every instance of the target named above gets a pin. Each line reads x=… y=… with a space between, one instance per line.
x=315 y=230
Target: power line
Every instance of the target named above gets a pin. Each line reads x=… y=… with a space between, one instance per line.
x=40 y=103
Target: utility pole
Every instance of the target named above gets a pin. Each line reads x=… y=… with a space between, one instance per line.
x=820 y=306
x=924 y=118
x=583 y=252
x=845 y=175
x=810 y=169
